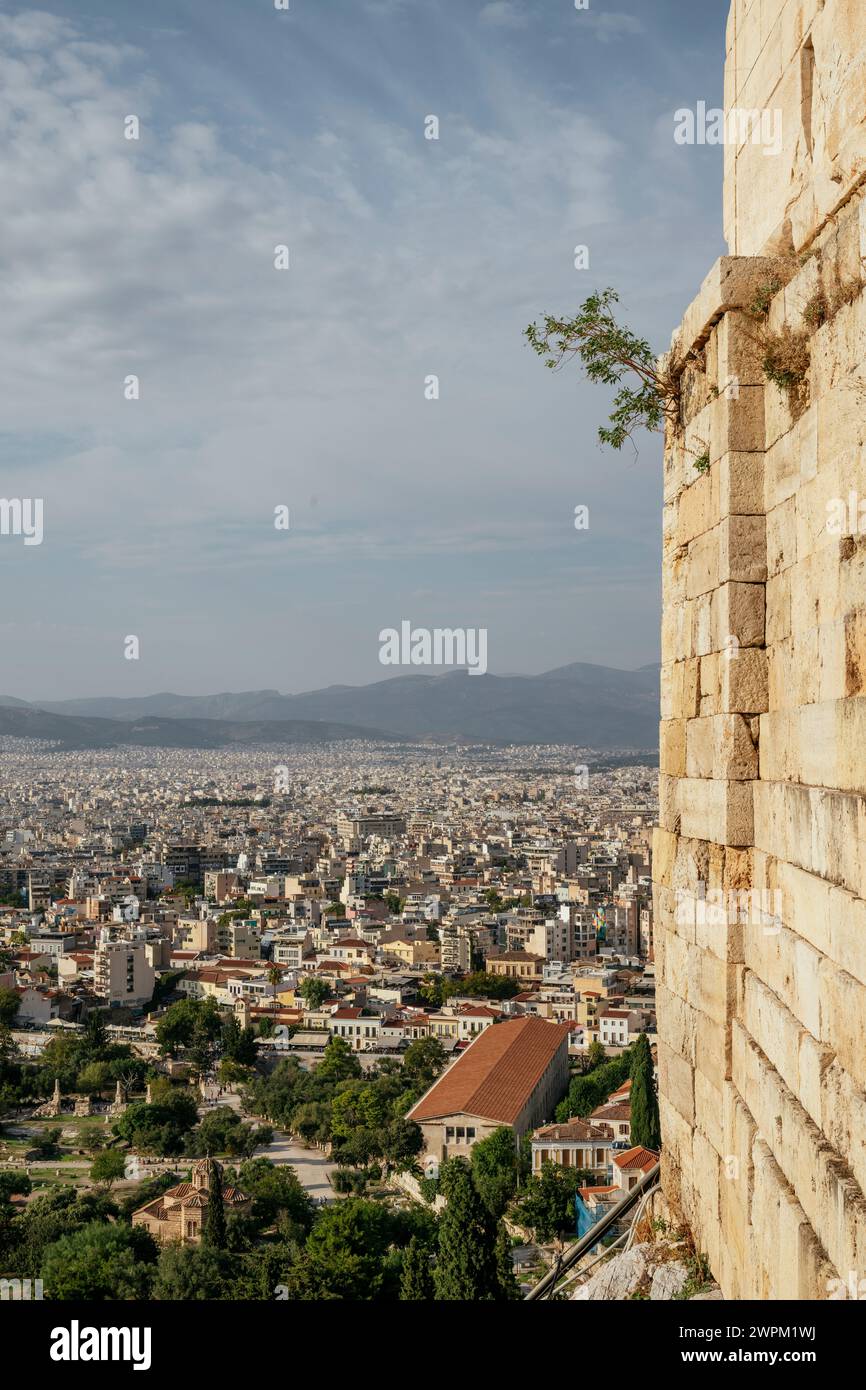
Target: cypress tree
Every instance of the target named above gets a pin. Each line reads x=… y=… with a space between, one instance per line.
x=214 y=1233
x=508 y=1285
x=645 y=1127
x=466 y=1270
x=416 y=1283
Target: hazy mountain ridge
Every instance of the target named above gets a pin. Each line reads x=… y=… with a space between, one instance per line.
x=78 y=732
x=597 y=706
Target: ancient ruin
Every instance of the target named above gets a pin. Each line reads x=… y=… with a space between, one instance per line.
x=760 y=859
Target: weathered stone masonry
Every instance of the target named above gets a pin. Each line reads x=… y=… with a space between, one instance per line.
x=762 y=1021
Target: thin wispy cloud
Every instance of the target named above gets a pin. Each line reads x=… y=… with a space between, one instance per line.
x=408 y=257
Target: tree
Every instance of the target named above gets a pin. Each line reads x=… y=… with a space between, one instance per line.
x=10 y=1003
x=95 y=1034
x=510 y=1289
x=13 y=1185
x=239 y=1044
x=214 y=1230
x=416 y=1283
x=496 y=1169
x=314 y=991
x=546 y=1204
x=402 y=1141
x=609 y=353
x=422 y=1062
x=275 y=974
x=587 y=1092
x=278 y=1197
x=230 y=1073
x=645 y=1124
x=345 y=1253
x=159 y=1128
x=466 y=1269
x=339 y=1061
x=100 y=1262
x=174 y=1029
x=193 y=1272
x=222 y=1131
x=94 y=1078
x=108 y=1167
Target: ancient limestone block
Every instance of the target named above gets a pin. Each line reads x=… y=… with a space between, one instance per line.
x=708 y=1112
x=737 y=422
x=698 y=507
x=714 y=810
x=703 y=571
x=701 y=641
x=816 y=829
x=731 y=284
x=741 y=484
x=777 y=595
x=743 y=550
x=735 y=756
x=842 y=1011
x=738 y=611
x=676 y=1081
x=680 y=1025
x=736 y=353
x=669 y=815
x=744 y=682
x=699 y=748
x=664 y=856
x=781 y=474
x=672 y=758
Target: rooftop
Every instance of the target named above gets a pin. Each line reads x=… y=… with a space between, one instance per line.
x=497 y=1073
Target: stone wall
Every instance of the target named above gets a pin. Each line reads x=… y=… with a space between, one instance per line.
x=760 y=856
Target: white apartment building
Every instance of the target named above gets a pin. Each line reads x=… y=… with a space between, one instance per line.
x=122 y=973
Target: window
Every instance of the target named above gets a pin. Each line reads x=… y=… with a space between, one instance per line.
x=470 y=1133
x=461 y=1133
x=449 y=1133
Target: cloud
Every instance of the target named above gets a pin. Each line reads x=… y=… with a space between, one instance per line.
x=504 y=14
x=608 y=26
x=408 y=257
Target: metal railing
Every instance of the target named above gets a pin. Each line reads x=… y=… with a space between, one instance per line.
x=569 y=1257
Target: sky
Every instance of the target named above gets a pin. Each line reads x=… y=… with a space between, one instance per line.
x=304 y=388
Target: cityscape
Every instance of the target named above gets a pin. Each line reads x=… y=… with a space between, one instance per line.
x=185 y=931
x=433 y=676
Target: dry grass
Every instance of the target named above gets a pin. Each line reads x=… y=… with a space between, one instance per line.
x=786 y=363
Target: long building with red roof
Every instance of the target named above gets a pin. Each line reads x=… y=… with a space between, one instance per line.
x=512 y=1074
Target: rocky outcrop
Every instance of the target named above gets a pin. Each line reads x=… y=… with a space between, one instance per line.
x=655 y=1270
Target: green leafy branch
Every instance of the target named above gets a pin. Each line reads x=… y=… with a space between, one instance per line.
x=610 y=354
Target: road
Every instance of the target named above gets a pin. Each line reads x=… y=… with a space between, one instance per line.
x=311 y=1165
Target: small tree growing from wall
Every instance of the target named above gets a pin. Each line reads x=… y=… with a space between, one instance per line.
x=612 y=355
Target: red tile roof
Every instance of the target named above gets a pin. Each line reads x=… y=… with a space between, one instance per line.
x=497 y=1073
x=638 y=1157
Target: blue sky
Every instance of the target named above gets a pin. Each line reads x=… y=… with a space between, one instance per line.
x=409 y=257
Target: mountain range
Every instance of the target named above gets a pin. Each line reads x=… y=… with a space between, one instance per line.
x=592 y=706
